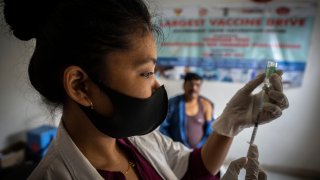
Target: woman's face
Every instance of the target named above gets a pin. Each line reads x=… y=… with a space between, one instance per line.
x=131 y=72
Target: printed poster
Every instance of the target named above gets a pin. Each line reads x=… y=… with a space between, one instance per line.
x=232 y=42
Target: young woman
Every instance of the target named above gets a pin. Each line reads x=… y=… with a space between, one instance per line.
x=96 y=59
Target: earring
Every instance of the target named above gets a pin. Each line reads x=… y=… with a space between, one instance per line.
x=91 y=105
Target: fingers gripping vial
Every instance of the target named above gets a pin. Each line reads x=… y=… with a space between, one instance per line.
x=234 y=118
x=270 y=69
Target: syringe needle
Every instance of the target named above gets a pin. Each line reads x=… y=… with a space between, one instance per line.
x=254 y=133
x=255 y=129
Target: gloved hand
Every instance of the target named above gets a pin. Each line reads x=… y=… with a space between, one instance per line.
x=251 y=164
x=234 y=169
x=243 y=108
x=253 y=170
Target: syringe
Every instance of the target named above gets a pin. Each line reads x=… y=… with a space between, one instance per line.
x=270 y=69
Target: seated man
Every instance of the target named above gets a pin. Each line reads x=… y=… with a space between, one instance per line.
x=190 y=115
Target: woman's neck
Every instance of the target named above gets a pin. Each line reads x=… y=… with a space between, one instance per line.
x=101 y=150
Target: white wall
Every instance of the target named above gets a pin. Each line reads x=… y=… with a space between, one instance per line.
x=290 y=141
x=20 y=106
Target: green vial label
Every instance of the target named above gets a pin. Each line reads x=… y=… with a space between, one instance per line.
x=270 y=71
x=271 y=68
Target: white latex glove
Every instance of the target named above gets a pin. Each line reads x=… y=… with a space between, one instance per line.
x=243 y=108
x=251 y=164
x=253 y=170
x=234 y=169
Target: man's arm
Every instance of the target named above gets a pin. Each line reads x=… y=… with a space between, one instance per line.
x=208 y=108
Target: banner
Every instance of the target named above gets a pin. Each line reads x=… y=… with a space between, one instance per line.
x=232 y=42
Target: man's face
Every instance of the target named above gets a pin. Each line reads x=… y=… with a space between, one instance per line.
x=192 y=88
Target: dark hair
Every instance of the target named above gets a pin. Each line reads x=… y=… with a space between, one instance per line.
x=192 y=76
x=74 y=32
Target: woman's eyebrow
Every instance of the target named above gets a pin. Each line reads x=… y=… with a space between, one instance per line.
x=141 y=62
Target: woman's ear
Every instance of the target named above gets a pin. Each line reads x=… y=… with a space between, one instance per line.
x=76 y=83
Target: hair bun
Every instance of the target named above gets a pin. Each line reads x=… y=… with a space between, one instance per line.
x=25 y=16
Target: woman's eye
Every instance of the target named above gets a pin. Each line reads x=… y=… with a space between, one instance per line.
x=147 y=74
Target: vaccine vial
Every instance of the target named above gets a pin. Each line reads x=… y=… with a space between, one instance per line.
x=270 y=69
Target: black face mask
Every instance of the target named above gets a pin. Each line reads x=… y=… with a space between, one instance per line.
x=131 y=116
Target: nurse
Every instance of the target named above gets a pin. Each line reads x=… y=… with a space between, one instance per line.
x=95 y=60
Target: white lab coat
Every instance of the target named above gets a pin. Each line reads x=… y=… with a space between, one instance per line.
x=65 y=161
